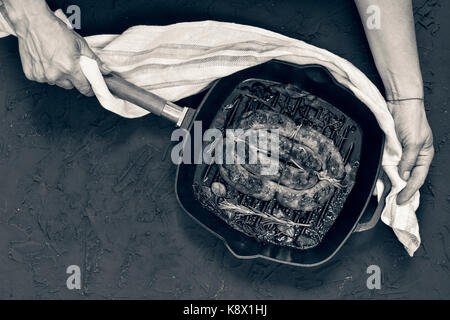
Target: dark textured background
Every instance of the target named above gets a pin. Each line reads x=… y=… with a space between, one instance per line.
x=80 y=185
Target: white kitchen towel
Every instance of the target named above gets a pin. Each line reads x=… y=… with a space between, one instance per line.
x=179 y=60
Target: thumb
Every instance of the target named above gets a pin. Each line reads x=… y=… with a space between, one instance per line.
x=87 y=52
x=408 y=161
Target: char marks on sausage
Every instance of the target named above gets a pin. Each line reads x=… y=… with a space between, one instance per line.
x=309 y=170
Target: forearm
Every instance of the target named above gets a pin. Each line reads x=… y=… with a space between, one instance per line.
x=24 y=13
x=394 y=47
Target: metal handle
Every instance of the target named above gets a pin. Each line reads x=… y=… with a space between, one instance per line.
x=365 y=226
x=149 y=101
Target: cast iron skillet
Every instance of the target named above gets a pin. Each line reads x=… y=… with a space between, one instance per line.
x=318 y=81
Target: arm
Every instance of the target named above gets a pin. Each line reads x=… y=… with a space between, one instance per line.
x=49 y=50
x=394 y=49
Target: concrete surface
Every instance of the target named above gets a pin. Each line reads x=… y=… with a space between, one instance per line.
x=81 y=186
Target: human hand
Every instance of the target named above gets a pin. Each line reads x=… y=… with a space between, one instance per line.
x=416 y=137
x=50 y=51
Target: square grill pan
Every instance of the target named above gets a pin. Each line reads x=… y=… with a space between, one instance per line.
x=355 y=133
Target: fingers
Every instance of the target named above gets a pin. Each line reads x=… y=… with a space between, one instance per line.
x=86 y=51
x=65 y=84
x=418 y=173
x=80 y=82
x=25 y=59
x=103 y=68
x=32 y=69
x=414 y=183
x=69 y=81
x=408 y=160
x=63 y=71
x=78 y=79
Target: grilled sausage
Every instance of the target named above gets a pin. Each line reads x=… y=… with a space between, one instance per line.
x=306 y=178
x=265 y=189
x=310 y=138
x=287 y=172
x=248 y=183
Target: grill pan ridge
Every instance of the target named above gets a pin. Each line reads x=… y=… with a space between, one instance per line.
x=307 y=111
x=358 y=138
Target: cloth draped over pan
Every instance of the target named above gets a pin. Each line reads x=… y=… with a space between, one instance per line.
x=182 y=59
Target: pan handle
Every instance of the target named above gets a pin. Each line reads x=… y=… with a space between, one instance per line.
x=126 y=90
x=365 y=226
